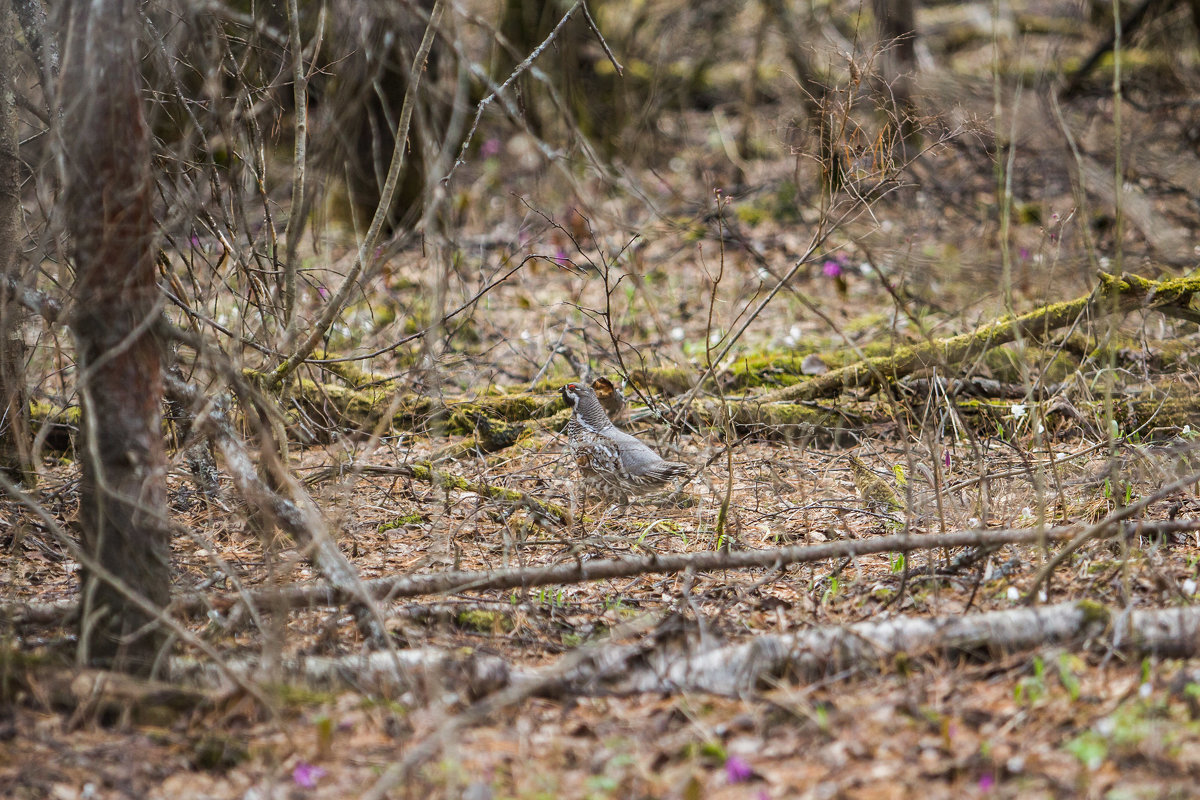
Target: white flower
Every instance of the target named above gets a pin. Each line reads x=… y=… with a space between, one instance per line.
x=1013 y=594
x=1188 y=586
x=1018 y=410
x=1145 y=690
x=677 y=334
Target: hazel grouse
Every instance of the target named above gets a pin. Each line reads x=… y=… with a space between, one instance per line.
x=610 y=459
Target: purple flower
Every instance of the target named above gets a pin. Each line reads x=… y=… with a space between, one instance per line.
x=323 y=292
x=946 y=459
x=306 y=775
x=560 y=257
x=194 y=240
x=986 y=782
x=737 y=770
x=1024 y=254
x=490 y=148
x=831 y=269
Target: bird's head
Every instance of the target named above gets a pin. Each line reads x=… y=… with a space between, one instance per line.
x=572 y=392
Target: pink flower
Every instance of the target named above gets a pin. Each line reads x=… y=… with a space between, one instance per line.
x=323 y=292
x=986 y=782
x=560 y=257
x=306 y=775
x=831 y=269
x=737 y=770
x=490 y=148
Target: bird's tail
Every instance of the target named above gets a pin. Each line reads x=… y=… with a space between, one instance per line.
x=669 y=470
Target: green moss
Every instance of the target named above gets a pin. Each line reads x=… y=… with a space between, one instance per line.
x=491 y=435
x=751 y=214
x=1159 y=410
x=783 y=415
x=417 y=319
x=351 y=371
x=448 y=482
x=873 y=321
x=1093 y=613
x=769 y=369
x=41 y=412
x=507 y=406
x=667 y=380
x=1028 y=213
x=400 y=522
x=485 y=621
x=296 y=696
x=664 y=525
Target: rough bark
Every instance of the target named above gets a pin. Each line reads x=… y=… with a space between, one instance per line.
x=122 y=510
x=754 y=664
x=869 y=646
x=15 y=441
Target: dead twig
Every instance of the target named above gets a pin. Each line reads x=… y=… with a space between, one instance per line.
x=386 y=589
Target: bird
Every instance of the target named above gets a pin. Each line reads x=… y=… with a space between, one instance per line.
x=611 y=460
x=612 y=400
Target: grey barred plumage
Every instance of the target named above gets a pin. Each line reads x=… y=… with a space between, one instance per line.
x=611 y=460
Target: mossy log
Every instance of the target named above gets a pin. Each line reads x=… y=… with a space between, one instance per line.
x=493 y=422
x=1113 y=295
x=1162 y=405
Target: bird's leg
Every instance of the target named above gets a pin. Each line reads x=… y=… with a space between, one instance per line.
x=583 y=492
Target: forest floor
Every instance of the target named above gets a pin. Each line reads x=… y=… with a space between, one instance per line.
x=922 y=260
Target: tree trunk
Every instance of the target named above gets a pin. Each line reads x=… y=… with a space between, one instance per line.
x=896 y=24
x=15 y=440
x=122 y=509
